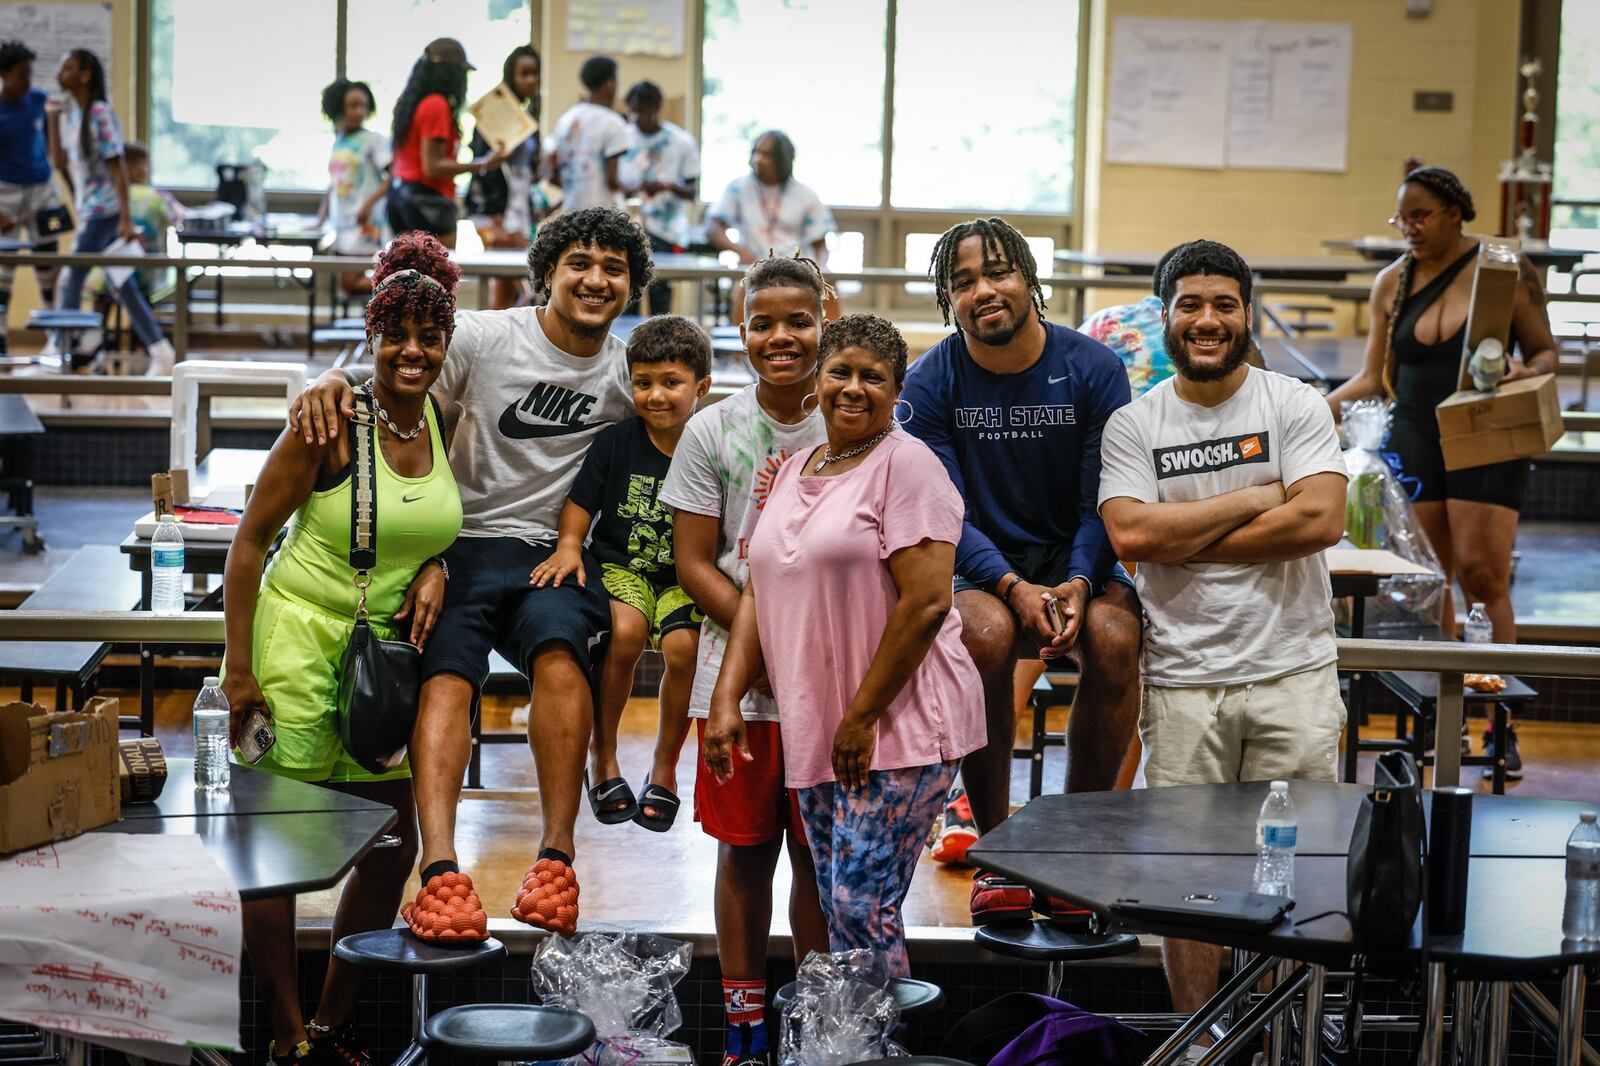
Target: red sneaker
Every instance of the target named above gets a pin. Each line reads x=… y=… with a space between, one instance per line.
x=548 y=898
x=1060 y=912
x=997 y=899
x=447 y=910
x=957 y=831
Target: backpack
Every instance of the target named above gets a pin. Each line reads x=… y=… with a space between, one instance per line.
x=1028 y=1029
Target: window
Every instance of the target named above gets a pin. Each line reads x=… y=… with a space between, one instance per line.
x=387 y=36
x=919 y=252
x=985 y=129
x=272 y=112
x=811 y=68
x=970 y=130
x=1577 y=155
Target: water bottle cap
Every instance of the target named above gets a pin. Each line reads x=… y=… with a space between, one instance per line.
x=168 y=518
x=1479 y=607
x=1280 y=786
x=1586 y=816
x=213 y=682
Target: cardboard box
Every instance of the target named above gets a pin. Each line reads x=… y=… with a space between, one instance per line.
x=1494 y=288
x=1518 y=420
x=58 y=773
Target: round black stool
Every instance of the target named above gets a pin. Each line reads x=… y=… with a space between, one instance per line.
x=509 y=1032
x=1045 y=941
x=397 y=949
x=913 y=997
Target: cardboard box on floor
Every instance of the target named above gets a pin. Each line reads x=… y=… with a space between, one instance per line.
x=1517 y=420
x=58 y=773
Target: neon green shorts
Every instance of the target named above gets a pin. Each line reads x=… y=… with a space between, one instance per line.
x=296 y=653
x=665 y=608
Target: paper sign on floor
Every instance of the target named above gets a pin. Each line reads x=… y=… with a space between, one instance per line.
x=133 y=942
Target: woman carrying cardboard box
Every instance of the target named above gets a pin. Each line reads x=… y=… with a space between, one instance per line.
x=1419 y=311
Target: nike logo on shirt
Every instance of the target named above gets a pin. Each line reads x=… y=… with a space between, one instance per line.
x=548 y=411
x=1057 y=381
x=410 y=499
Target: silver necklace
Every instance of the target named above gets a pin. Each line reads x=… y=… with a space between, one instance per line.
x=384 y=416
x=829 y=457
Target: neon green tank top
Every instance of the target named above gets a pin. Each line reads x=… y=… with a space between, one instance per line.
x=418 y=517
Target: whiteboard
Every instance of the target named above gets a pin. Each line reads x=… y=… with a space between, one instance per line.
x=52 y=30
x=1248 y=94
x=626 y=27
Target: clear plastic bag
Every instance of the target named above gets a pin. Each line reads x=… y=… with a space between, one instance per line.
x=623 y=983
x=1378 y=514
x=842 y=1012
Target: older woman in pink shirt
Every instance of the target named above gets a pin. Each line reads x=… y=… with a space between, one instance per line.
x=847 y=612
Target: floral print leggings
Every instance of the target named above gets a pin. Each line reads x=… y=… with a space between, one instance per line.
x=866 y=844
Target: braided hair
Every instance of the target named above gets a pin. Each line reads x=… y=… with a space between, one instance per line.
x=795 y=271
x=416 y=279
x=1448 y=188
x=782 y=153
x=1001 y=243
x=429 y=76
x=876 y=335
x=87 y=60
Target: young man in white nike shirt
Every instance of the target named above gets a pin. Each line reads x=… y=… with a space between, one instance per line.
x=524 y=392
x=1225 y=484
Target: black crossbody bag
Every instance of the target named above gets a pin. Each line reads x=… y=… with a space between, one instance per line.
x=1383 y=874
x=379 y=680
x=51 y=222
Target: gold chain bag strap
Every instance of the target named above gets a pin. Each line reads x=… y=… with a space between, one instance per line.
x=378 y=679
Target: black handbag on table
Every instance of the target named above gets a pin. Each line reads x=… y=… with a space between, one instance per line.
x=1383 y=874
x=379 y=680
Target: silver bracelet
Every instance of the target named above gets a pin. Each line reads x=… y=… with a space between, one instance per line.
x=444 y=566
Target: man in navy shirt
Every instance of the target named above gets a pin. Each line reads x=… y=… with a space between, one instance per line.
x=27 y=187
x=1014 y=406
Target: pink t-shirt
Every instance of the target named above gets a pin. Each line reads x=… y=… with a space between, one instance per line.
x=819 y=560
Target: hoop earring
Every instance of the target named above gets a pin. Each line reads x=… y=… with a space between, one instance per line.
x=911 y=412
x=816 y=403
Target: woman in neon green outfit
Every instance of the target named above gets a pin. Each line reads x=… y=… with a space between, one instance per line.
x=287 y=629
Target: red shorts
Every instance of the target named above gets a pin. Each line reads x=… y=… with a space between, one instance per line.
x=753 y=807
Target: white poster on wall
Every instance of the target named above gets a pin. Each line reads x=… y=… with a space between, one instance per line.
x=53 y=30
x=626 y=27
x=1252 y=94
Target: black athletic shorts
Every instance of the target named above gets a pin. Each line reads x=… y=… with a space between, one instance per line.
x=1412 y=452
x=488 y=603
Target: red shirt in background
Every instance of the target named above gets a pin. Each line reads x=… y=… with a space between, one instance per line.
x=432 y=119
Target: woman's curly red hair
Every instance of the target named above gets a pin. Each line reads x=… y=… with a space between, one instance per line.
x=412 y=296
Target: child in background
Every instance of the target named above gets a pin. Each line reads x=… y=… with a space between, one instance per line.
x=359 y=177
x=669 y=362
x=502 y=201
x=27 y=186
x=154 y=212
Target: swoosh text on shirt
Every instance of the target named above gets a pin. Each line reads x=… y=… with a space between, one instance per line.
x=410 y=499
x=1057 y=381
x=515 y=428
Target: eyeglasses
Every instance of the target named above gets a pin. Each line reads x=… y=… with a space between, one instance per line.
x=1415 y=220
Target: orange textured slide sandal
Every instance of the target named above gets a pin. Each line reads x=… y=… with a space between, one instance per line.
x=447 y=910
x=548 y=898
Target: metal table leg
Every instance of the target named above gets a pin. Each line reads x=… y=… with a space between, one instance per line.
x=1542 y=1013
x=1268 y=1007
x=1172 y=1049
x=1461 y=1022
x=1311 y=1034
x=1432 y=1016
x=1569 y=1035
x=1448 y=711
x=1497 y=1024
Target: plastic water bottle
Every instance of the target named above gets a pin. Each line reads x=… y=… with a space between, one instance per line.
x=1478 y=630
x=211 y=738
x=1276 y=828
x=166 y=567
x=1580 y=918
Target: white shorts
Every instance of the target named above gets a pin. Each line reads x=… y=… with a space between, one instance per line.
x=21 y=203
x=1288 y=727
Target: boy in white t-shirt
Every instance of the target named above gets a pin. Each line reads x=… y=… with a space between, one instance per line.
x=662 y=165
x=1225 y=484
x=718 y=481
x=589 y=142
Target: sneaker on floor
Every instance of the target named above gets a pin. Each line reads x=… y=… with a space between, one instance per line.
x=956 y=831
x=996 y=898
x=548 y=898
x=1513 y=755
x=519 y=716
x=447 y=910
x=338 y=1045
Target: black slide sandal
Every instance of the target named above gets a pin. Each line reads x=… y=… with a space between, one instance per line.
x=605 y=797
x=659 y=798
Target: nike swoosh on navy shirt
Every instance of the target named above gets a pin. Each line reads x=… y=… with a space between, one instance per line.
x=1057 y=381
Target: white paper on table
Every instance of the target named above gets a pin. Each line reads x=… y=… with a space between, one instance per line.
x=118 y=276
x=120 y=939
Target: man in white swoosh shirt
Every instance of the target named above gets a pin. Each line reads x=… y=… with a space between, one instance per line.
x=1225 y=483
x=524 y=392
